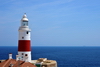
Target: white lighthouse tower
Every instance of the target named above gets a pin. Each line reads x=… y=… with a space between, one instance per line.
x=24 y=44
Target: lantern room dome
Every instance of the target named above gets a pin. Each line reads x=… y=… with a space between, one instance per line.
x=24 y=18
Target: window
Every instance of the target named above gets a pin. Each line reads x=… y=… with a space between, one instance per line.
x=27 y=32
x=22 y=53
x=22 y=37
x=26 y=55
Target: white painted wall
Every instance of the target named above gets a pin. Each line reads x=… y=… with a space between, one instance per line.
x=24 y=34
x=22 y=57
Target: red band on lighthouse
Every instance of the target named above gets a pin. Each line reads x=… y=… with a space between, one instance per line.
x=24 y=45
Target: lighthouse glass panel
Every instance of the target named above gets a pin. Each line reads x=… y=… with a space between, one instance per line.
x=25 y=23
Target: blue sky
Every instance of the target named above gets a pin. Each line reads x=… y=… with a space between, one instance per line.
x=53 y=22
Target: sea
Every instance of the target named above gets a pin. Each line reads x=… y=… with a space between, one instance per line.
x=65 y=56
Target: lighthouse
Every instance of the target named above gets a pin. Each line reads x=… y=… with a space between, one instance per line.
x=24 y=42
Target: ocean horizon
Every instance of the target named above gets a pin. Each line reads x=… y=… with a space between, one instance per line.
x=66 y=56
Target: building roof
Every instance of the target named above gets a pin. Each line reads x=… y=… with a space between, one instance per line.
x=14 y=63
x=44 y=61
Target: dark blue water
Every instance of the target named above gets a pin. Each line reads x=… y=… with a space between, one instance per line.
x=65 y=56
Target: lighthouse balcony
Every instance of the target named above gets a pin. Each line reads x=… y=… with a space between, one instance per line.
x=24 y=28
